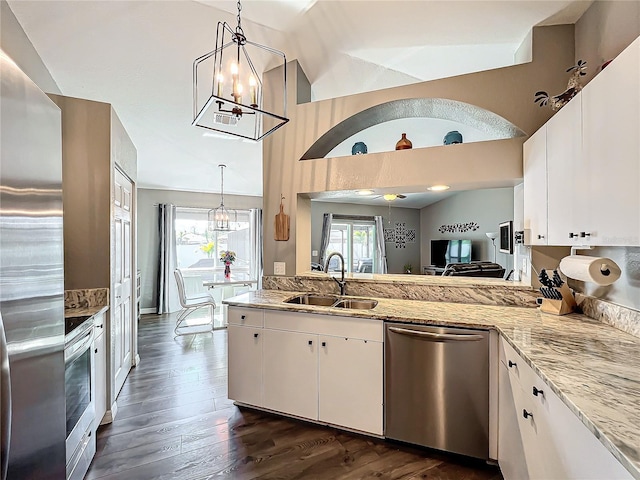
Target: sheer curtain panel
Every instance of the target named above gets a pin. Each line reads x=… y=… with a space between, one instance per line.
x=167 y=295
x=256 y=244
x=380 y=247
x=324 y=240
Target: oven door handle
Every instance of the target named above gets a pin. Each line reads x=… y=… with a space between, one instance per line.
x=5 y=403
x=437 y=337
x=76 y=349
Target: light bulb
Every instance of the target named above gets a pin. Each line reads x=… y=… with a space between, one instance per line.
x=220 y=84
x=390 y=196
x=253 y=90
x=234 y=69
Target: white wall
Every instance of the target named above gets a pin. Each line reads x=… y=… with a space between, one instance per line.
x=396 y=257
x=488 y=208
x=15 y=43
x=148 y=238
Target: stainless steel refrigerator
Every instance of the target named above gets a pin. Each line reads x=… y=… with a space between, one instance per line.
x=32 y=395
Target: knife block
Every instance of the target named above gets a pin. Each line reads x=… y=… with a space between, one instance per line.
x=559 y=307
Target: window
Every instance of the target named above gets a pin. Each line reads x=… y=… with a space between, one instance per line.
x=198 y=249
x=355 y=239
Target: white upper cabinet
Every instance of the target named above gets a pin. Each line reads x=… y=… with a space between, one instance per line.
x=611 y=144
x=591 y=151
x=535 y=187
x=567 y=191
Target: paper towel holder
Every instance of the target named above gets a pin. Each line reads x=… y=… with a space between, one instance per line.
x=575 y=248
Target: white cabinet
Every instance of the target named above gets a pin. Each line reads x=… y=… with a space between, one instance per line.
x=611 y=143
x=545 y=439
x=291 y=373
x=100 y=369
x=245 y=364
x=351 y=389
x=321 y=367
x=567 y=191
x=589 y=192
x=535 y=187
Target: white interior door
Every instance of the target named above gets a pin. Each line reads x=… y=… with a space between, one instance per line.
x=122 y=328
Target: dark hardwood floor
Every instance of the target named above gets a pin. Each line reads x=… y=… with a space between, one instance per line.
x=175 y=422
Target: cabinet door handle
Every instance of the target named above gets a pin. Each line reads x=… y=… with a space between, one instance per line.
x=526 y=414
x=585 y=234
x=310 y=342
x=512 y=364
x=96 y=350
x=242 y=317
x=537 y=392
x=571 y=235
x=324 y=344
x=255 y=335
x=540 y=237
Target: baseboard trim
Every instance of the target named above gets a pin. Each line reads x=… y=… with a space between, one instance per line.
x=136 y=360
x=110 y=415
x=146 y=311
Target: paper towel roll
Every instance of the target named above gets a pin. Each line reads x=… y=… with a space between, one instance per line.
x=600 y=270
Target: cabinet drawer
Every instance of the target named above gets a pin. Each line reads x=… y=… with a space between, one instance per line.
x=348 y=327
x=248 y=317
x=519 y=369
x=98 y=322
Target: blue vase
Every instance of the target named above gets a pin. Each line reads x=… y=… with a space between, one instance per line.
x=359 y=148
x=453 y=137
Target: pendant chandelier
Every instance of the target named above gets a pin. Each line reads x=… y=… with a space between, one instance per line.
x=229 y=97
x=219 y=217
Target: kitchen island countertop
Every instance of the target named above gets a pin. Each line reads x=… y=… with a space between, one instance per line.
x=593 y=367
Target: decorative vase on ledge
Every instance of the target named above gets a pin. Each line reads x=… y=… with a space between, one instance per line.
x=404 y=143
x=227 y=270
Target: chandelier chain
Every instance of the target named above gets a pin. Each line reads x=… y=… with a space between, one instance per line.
x=239 y=27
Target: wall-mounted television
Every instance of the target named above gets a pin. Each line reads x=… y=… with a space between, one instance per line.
x=444 y=252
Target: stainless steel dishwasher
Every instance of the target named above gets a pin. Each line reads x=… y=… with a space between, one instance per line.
x=436 y=390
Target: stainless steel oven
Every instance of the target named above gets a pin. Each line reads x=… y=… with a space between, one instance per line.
x=79 y=374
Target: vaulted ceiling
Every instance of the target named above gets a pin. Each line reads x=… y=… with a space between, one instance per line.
x=137 y=55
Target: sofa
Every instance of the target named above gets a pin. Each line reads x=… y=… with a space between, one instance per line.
x=474 y=269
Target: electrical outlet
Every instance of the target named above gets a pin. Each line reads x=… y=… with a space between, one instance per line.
x=279 y=268
x=314 y=253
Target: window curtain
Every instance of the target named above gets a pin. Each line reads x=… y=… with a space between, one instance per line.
x=324 y=240
x=381 y=249
x=256 y=244
x=167 y=295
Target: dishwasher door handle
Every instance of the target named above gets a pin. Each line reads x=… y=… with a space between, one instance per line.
x=437 y=337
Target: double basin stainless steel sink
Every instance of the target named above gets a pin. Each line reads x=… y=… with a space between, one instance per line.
x=321 y=300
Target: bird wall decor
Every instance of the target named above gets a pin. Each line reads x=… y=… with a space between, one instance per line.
x=573 y=87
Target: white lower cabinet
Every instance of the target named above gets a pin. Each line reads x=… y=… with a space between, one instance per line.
x=539 y=437
x=320 y=367
x=245 y=364
x=100 y=365
x=350 y=379
x=291 y=373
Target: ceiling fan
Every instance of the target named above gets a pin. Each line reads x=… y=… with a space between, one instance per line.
x=390 y=197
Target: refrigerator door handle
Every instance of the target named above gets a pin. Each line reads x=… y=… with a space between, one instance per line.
x=437 y=337
x=5 y=403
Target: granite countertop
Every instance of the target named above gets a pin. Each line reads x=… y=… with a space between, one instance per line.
x=432 y=280
x=84 y=311
x=593 y=367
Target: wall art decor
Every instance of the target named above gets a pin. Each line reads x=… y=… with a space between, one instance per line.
x=401 y=235
x=411 y=235
x=459 y=227
x=389 y=235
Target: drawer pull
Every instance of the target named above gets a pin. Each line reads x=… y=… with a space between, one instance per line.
x=243 y=317
x=512 y=364
x=537 y=392
x=310 y=342
x=526 y=414
x=255 y=335
x=324 y=344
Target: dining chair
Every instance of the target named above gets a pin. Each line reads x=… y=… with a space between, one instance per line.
x=189 y=305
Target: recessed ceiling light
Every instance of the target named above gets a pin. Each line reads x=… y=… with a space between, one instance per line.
x=439 y=188
x=365 y=192
x=390 y=196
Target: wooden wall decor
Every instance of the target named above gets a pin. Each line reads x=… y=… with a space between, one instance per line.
x=281 y=232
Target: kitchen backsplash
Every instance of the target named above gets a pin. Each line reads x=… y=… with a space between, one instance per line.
x=86 y=298
x=622 y=318
x=415 y=287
